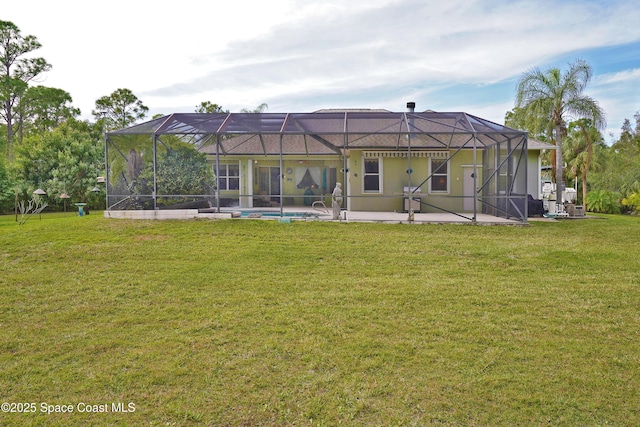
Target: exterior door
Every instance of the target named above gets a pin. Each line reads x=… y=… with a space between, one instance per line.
x=269 y=182
x=468 y=189
x=274 y=178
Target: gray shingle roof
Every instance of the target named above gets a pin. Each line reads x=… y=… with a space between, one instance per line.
x=328 y=131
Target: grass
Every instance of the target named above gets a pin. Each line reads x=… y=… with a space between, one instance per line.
x=258 y=323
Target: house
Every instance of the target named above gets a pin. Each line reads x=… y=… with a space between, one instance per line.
x=387 y=161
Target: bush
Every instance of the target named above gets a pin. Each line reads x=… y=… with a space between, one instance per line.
x=633 y=203
x=7 y=190
x=603 y=201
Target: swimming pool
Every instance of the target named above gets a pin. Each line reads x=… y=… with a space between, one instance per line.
x=258 y=213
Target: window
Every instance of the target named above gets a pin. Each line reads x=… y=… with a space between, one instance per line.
x=372 y=175
x=439 y=176
x=229 y=178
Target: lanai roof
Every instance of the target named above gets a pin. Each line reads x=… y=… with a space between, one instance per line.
x=327 y=131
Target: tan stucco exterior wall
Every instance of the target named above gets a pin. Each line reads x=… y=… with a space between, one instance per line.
x=394 y=179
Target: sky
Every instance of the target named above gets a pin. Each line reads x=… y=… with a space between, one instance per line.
x=302 y=56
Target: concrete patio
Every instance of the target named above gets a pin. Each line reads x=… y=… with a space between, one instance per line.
x=309 y=214
x=434 y=218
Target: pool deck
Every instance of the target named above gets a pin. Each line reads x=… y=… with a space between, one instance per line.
x=428 y=218
x=320 y=215
x=419 y=218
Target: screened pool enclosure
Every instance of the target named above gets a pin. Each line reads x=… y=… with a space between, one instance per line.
x=387 y=161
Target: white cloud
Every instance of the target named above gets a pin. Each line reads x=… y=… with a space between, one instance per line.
x=626 y=76
x=402 y=42
x=619 y=96
x=304 y=55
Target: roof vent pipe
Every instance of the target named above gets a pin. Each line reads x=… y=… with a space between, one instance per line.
x=411 y=106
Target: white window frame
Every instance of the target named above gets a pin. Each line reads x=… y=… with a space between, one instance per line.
x=365 y=174
x=224 y=176
x=447 y=175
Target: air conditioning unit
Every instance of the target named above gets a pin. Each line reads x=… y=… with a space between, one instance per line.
x=410 y=202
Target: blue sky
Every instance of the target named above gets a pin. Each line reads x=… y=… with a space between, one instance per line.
x=458 y=55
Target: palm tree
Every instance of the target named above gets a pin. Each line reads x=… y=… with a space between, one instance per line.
x=583 y=139
x=554 y=95
x=259 y=109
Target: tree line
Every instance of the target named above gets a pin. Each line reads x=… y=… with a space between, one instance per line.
x=43 y=144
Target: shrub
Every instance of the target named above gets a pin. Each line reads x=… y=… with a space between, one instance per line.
x=7 y=188
x=603 y=201
x=633 y=203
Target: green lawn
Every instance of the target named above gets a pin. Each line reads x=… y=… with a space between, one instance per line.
x=254 y=323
